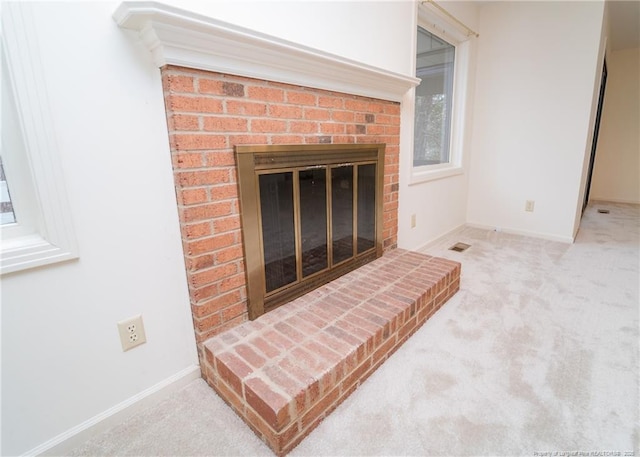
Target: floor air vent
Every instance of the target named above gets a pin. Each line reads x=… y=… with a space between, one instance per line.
x=459 y=247
x=603 y=211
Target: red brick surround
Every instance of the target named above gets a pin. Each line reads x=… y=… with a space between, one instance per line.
x=207 y=115
x=287 y=370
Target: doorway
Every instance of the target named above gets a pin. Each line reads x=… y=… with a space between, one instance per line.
x=596 y=129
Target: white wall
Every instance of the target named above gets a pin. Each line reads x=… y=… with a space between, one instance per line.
x=440 y=205
x=62 y=364
x=535 y=95
x=374 y=33
x=616 y=175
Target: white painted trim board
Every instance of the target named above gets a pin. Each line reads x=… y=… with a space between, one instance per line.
x=66 y=441
x=183 y=38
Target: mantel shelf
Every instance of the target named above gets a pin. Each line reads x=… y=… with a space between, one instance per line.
x=178 y=37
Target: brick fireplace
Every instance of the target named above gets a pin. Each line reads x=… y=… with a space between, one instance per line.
x=208 y=114
x=284 y=372
x=225 y=87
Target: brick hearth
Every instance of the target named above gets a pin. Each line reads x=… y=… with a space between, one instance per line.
x=284 y=372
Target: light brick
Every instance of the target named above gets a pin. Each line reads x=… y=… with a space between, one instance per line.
x=235 y=140
x=267 y=125
x=302 y=98
x=332 y=128
x=357 y=105
x=224 y=192
x=286 y=139
x=192 y=196
x=216 y=304
x=200 y=178
x=208 y=245
x=197 y=141
x=343 y=116
x=234 y=311
x=303 y=127
x=208 y=322
x=393 y=109
x=317 y=114
x=187 y=160
x=330 y=102
x=225 y=124
x=246 y=108
x=285 y=111
x=267 y=403
x=232 y=282
x=177 y=83
x=198 y=230
x=229 y=254
x=220 y=159
x=181 y=103
x=184 y=122
x=226 y=224
x=375 y=130
x=209 y=211
x=267 y=94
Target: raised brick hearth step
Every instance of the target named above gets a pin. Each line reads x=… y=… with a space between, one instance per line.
x=285 y=371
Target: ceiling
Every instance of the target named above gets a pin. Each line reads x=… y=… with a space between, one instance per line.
x=624 y=24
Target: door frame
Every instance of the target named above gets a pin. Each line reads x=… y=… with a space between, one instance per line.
x=596 y=130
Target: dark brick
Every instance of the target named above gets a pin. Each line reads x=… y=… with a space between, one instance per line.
x=233 y=89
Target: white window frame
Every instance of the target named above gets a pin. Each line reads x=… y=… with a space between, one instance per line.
x=44 y=232
x=435 y=22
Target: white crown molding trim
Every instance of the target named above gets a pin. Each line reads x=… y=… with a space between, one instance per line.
x=178 y=37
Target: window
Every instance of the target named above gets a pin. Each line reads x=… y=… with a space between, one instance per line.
x=7 y=216
x=433 y=100
x=40 y=232
x=442 y=55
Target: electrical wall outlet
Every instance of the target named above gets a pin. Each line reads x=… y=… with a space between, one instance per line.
x=413 y=221
x=528 y=206
x=131 y=332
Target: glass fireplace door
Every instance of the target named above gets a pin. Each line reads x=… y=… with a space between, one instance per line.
x=313 y=220
x=307 y=218
x=278 y=229
x=311 y=223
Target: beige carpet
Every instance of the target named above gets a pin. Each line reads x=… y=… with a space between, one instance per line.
x=537 y=353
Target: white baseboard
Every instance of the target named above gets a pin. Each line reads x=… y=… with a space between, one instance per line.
x=431 y=243
x=434 y=241
x=65 y=442
x=601 y=200
x=544 y=236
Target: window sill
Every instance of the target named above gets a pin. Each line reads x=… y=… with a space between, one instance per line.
x=30 y=251
x=420 y=176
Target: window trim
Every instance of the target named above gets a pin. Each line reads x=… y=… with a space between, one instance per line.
x=435 y=22
x=53 y=238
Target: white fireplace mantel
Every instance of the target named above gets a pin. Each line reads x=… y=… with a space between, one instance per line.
x=178 y=37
